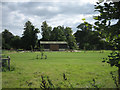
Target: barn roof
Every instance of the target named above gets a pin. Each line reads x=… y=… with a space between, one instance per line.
x=53 y=42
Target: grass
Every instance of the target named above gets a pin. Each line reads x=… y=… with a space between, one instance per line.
x=80 y=69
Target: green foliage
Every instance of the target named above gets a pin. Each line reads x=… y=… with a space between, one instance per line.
x=6 y=39
x=70 y=38
x=64 y=34
x=88 y=39
x=46 y=83
x=57 y=34
x=114 y=78
x=16 y=42
x=83 y=19
x=85 y=26
x=29 y=39
x=94 y=83
x=110 y=11
x=43 y=55
x=46 y=31
x=113 y=59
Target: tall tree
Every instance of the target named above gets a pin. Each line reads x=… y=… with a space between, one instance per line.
x=6 y=37
x=83 y=35
x=29 y=38
x=16 y=42
x=57 y=34
x=87 y=38
x=70 y=38
x=46 y=31
x=110 y=11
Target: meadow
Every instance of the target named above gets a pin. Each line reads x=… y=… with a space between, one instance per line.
x=82 y=70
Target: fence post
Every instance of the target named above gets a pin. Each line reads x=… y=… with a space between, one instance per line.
x=9 y=63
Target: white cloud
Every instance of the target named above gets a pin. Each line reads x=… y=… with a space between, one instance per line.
x=89 y=1
x=16 y=0
x=53 y=8
x=18 y=17
x=71 y=20
x=64 y=13
x=83 y=1
x=49 y=8
x=40 y=7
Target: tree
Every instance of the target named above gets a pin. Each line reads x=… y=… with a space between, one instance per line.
x=111 y=32
x=70 y=38
x=57 y=34
x=46 y=31
x=29 y=38
x=85 y=34
x=64 y=34
x=6 y=38
x=86 y=37
x=85 y=26
x=96 y=42
x=16 y=42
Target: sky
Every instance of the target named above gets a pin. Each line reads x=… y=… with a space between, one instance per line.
x=67 y=13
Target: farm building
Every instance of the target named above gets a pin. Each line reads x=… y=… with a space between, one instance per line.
x=54 y=45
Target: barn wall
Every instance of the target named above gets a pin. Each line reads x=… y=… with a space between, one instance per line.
x=54 y=47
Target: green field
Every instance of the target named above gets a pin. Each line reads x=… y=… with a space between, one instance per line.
x=80 y=69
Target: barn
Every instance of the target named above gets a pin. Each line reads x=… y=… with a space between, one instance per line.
x=54 y=45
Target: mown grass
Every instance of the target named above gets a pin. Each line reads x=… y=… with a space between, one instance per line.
x=80 y=69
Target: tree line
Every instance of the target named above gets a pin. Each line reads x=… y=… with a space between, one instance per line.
x=28 y=40
x=87 y=37
x=84 y=38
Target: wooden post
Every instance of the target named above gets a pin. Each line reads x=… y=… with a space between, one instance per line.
x=9 y=63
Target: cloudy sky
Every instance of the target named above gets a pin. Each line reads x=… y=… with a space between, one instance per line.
x=58 y=12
